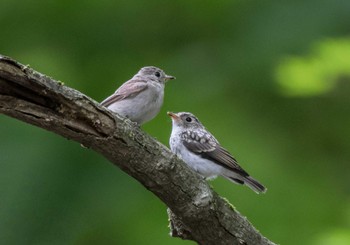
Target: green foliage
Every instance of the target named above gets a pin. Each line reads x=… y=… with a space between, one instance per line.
x=268 y=78
x=318 y=73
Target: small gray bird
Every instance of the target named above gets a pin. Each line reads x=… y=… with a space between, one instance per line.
x=198 y=148
x=140 y=98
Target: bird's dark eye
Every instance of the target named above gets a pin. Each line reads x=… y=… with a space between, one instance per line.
x=157 y=74
x=188 y=119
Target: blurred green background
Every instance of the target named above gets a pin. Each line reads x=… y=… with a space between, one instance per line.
x=270 y=79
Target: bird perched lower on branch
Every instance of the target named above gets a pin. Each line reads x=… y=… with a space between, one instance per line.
x=199 y=149
x=140 y=98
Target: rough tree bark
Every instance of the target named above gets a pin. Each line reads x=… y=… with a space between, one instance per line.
x=195 y=211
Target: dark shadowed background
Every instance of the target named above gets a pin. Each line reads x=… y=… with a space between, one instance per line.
x=270 y=79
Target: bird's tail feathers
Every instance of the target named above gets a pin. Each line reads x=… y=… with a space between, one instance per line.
x=248 y=181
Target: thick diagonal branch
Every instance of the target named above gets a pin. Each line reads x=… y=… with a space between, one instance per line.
x=197 y=212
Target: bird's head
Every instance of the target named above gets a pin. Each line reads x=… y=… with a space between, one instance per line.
x=154 y=73
x=185 y=120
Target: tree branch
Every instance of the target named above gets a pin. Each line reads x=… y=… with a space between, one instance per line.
x=196 y=212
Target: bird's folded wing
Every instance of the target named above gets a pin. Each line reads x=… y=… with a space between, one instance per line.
x=213 y=151
x=128 y=90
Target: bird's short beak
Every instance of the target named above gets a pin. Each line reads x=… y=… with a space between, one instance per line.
x=173 y=116
x=167 y=77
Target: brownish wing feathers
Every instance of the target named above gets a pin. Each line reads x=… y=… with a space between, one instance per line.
x=211 y=150
x=128 y=90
